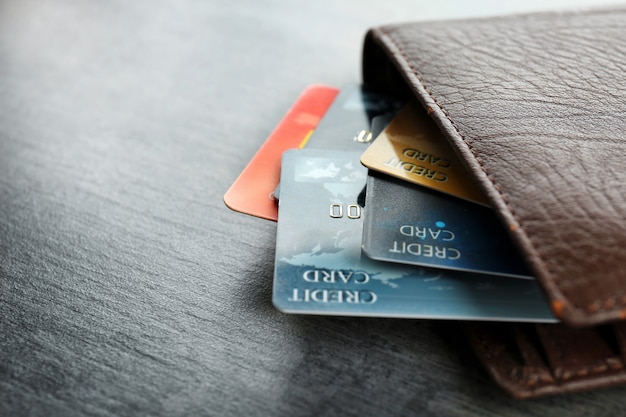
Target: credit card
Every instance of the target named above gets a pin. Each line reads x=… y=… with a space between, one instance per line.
x=413 y=148
x=319 y=267
x=348 y=123
x=353 y=120
x=411 y=224
x=251 y=193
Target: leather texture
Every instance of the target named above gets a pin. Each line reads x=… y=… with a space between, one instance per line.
x=536 y=107
x=536 y=360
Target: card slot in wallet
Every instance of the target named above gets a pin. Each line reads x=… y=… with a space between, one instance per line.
x=535 y=106
x=535 y=360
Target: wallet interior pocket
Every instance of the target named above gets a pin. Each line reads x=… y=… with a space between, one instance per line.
x=532 y=360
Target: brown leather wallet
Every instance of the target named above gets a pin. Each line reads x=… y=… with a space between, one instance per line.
x=535 y=105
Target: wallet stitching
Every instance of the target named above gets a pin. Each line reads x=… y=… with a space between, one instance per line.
x=609 y=305
x=456 y=128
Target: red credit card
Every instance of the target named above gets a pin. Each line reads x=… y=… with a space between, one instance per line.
x=251 y=193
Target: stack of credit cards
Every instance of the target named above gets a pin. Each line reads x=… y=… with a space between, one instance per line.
x=377 y=217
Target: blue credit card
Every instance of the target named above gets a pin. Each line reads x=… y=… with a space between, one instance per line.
x=355 y=118
x=412 y=224
x=353 y=121
x=319 y=267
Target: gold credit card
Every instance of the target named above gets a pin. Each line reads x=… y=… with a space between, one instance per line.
x=413 y=148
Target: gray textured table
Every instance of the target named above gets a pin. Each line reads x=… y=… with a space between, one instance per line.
x=126 y=286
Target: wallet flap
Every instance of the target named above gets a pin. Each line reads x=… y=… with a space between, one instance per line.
x=536 y=107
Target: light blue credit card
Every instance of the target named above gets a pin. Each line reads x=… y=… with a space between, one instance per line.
x=320 y=269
